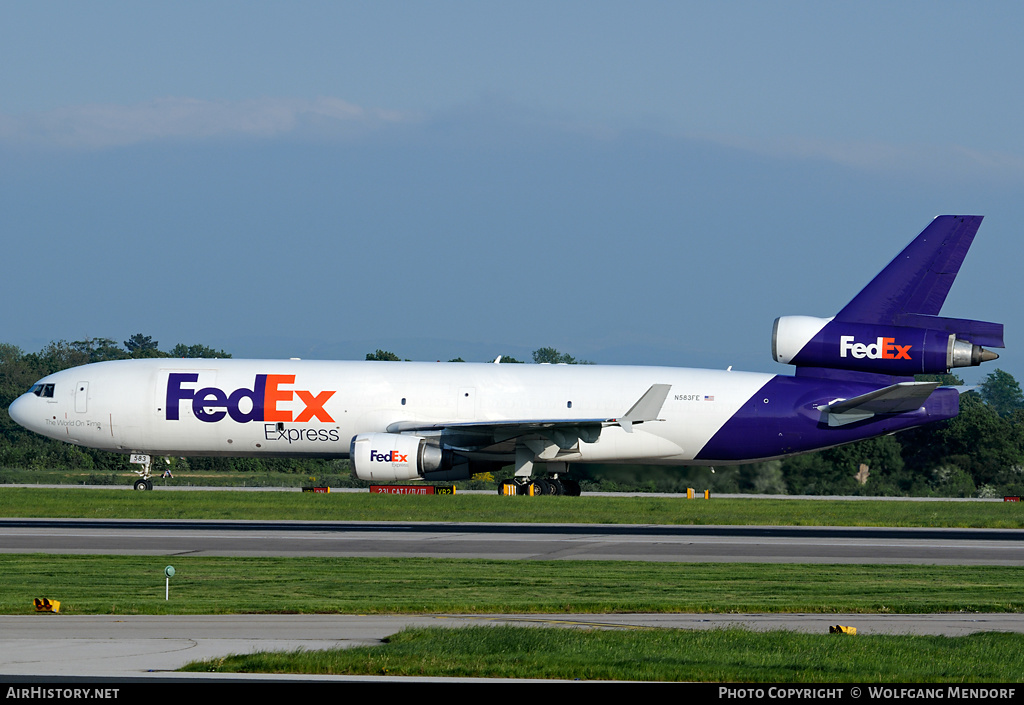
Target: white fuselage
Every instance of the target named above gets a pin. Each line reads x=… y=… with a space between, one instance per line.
x=315 y=408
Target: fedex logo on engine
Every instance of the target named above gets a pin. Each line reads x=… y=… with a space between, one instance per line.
x=881 y=349
x=261 y=403
x=392 y=456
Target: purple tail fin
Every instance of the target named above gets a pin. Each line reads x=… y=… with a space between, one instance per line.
x=918 y=279
x=892 y=326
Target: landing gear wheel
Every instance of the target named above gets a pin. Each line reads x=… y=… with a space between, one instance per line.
x=543 y=486
x=554 y=487
x=540 y=486
x=571 y=487
x=141 y=485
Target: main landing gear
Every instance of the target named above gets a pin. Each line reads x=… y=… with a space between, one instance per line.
x=550 y=486
x=556 y=482
x=528 y=453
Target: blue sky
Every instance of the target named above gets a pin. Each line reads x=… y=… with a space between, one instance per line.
x=647 y=183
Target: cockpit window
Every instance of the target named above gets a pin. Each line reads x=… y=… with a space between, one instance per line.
x=42 y=390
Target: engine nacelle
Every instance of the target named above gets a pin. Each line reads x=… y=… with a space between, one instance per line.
x=895 y=350
x=387 y=457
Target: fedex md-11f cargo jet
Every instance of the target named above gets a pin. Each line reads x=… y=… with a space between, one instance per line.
x=440 y=421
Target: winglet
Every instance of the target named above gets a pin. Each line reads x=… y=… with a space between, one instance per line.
x=647 y=407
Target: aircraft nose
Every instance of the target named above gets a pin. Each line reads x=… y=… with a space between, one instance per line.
x=19 y=411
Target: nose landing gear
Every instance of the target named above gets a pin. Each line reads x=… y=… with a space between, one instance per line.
x=144 y=482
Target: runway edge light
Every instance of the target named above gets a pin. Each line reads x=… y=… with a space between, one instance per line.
x=840 y=629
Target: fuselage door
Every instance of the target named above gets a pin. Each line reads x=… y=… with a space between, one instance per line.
x=82 y=397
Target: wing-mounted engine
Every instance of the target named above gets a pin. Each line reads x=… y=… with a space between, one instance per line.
x=389 y=457
x=886 y=349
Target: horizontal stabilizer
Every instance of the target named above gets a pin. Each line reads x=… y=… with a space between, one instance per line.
x=977 y=332
x=894 y=399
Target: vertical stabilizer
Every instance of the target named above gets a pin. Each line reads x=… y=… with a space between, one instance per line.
x=918 y=279
x=892 y=326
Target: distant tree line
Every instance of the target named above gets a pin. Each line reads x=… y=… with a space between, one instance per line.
x=978 y=453
x=541 y=356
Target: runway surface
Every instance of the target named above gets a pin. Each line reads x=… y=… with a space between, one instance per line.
x=736 y=544
x=152 y=646
x=110 y=647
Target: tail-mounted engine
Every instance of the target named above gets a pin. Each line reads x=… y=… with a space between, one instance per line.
x=387 y=457
x=894 y=350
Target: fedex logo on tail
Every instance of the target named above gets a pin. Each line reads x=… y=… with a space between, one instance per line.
x=881 y=349
x=261 y=403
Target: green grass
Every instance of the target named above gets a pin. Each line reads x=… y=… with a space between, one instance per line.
x=719 y=655
x=362 y=506
x=187 y=478
x=211 y=585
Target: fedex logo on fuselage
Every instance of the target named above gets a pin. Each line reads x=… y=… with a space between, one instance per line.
x=881 y=349
x=261 y=403
x=392 y=456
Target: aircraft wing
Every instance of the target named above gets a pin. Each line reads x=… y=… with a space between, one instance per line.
x=564 y=433
x=894 y=399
